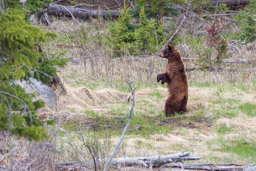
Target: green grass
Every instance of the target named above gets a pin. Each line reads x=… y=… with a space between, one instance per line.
x=139 y=125
x=241 y=148
x=156 y=94
x=122 y=110
x=225 y=107
x=225 y=112
x=202 y=85
x=71 y=126
x=224 y=129
x=248 y=109
x=146 y=126
x=91 y=113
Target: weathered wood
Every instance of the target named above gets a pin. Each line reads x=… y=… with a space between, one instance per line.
x=212 y=69
x=239 y=60
x=153 y=161
x=230 y=3
x=59 y=10
x=235 y=61
x=71 y=166
x=219 y=167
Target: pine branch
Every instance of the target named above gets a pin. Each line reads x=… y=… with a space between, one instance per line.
x=19 y=99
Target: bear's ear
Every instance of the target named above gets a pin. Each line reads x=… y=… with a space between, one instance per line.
x=171 y=47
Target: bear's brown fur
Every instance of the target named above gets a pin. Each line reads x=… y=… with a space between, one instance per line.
x=176 y=80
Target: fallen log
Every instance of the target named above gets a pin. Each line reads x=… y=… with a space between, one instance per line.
x=230 y=61
x=154 y=161
x=230 y=3
x=212 y=69
x=59 y=10
x=210 y=167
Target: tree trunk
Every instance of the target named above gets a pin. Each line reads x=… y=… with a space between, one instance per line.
x=59 y=10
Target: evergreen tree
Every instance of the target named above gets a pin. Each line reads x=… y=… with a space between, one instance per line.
x=247 y=23
x=20 y=59
x=30 y=5
x=135 y=39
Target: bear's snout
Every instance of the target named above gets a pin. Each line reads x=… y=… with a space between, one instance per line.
x=161 y=54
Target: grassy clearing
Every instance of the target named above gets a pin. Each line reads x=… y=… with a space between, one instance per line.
x=221 y=107
x=216 y=115
x=219 y=126
x=220 y=118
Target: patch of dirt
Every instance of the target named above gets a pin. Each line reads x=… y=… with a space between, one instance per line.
x=118 y=123
x=187 y=122
x=100 y=123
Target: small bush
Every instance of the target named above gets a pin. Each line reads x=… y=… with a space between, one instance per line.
x=135 y=39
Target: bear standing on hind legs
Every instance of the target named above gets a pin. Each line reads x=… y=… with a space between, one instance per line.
x=176 y=80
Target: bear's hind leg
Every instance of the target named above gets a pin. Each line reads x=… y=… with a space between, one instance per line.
x=170 y=107
x=183 y=108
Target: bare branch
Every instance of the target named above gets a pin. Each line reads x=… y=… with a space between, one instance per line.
x=60 y=1
x=179 y=27
x=90 y=150
x=6 y=155
x=119 y=5
x=84 y=5
x=46 y=16
x=123 y=133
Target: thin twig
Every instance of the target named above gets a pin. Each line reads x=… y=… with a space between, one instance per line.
x=84 y=5
x=123 y=133
x=6 y=155
x=46 y=16
x=90 y=150
x=119 y=5
x=59 y=1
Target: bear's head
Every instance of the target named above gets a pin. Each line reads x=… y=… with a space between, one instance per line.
x=170 y=52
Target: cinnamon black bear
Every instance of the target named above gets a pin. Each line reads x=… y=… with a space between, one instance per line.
x=176 y=80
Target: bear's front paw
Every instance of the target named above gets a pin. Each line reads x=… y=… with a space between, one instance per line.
x=159 y=77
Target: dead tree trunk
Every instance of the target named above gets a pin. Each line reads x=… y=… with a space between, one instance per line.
x=59 y=10
x=154 y=161
x=230 y=3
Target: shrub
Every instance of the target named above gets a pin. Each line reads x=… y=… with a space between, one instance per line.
x=30 y=5
x=216 y=40
x=247 y=23
x=135 y=39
